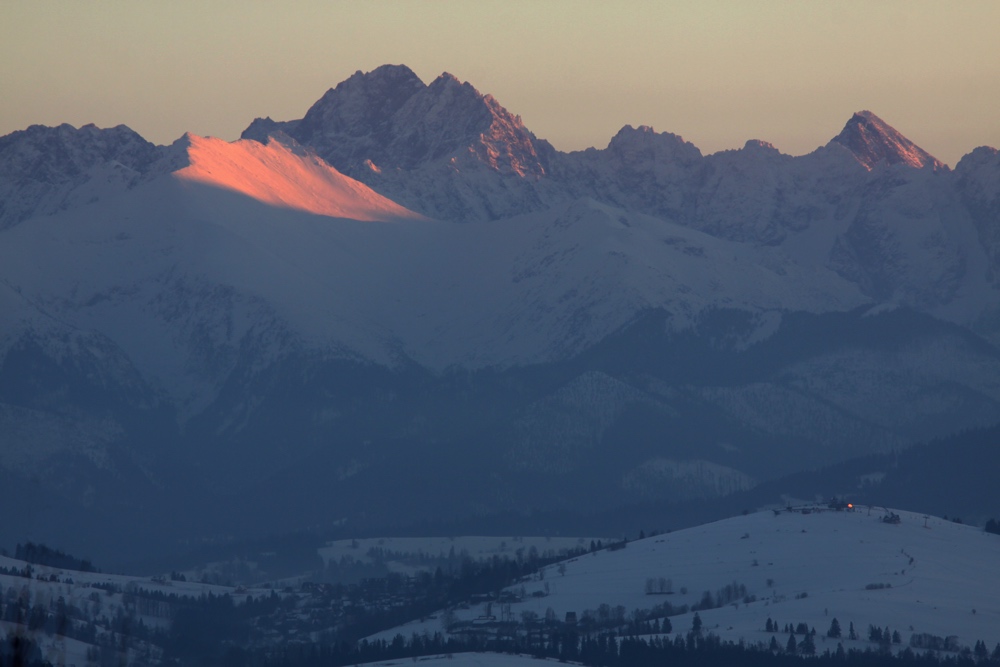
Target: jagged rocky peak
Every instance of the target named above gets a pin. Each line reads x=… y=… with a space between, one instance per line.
x=444 y=118
x=873 y=141
x=979 y=174
x=753 y=152
x=474 y=124
x=758 y=146
x=262 y=129
x=981 y=157
x=388 y=119
x=635 y=145
x=55 y=154
x=362 y=104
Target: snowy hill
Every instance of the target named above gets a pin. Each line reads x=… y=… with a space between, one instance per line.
x=809 y=565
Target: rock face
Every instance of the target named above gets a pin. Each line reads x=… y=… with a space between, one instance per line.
x=978 y=184
x=874 y=142
x=443 y=149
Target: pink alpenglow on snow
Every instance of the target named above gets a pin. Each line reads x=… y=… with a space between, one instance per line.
x=286 y=176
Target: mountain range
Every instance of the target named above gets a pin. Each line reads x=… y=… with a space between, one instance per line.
x=407 y=295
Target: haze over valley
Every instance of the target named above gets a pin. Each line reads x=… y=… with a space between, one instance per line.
x=250 y=369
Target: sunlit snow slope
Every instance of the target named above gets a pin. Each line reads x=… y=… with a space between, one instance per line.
x=282 y=175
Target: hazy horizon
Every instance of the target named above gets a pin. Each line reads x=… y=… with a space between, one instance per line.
x=716 y=73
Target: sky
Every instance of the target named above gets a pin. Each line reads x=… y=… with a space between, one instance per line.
x=717 y=73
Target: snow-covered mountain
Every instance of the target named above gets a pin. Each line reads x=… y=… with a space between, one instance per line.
x=407 y=282
x=443 y=149
x=47 y=169
x=870 y=205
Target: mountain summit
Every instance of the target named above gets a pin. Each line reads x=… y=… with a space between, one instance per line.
x=872 y=141
x=405 y=138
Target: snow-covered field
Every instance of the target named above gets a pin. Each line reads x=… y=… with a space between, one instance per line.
x=935 y=576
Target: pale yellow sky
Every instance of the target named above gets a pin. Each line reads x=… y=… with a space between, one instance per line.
x=717 y=73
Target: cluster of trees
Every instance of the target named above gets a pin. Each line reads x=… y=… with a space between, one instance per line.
x=17 y=649
x=883 y=636
x=200 y=626
x=56 y=617
x=39 y=554
x=799 y=628
x=661 y=586
x=836 y=633
x=27 y=571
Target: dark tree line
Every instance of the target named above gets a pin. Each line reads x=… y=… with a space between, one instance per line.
x=39 y=554
x=607 y=650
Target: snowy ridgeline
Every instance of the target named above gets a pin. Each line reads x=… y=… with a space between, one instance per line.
x=921 y=577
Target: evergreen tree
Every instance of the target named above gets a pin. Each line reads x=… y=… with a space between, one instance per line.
x=790 y=646
x=851 y=634
x=806 y=646
x=775 y=647
x=834 y=630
